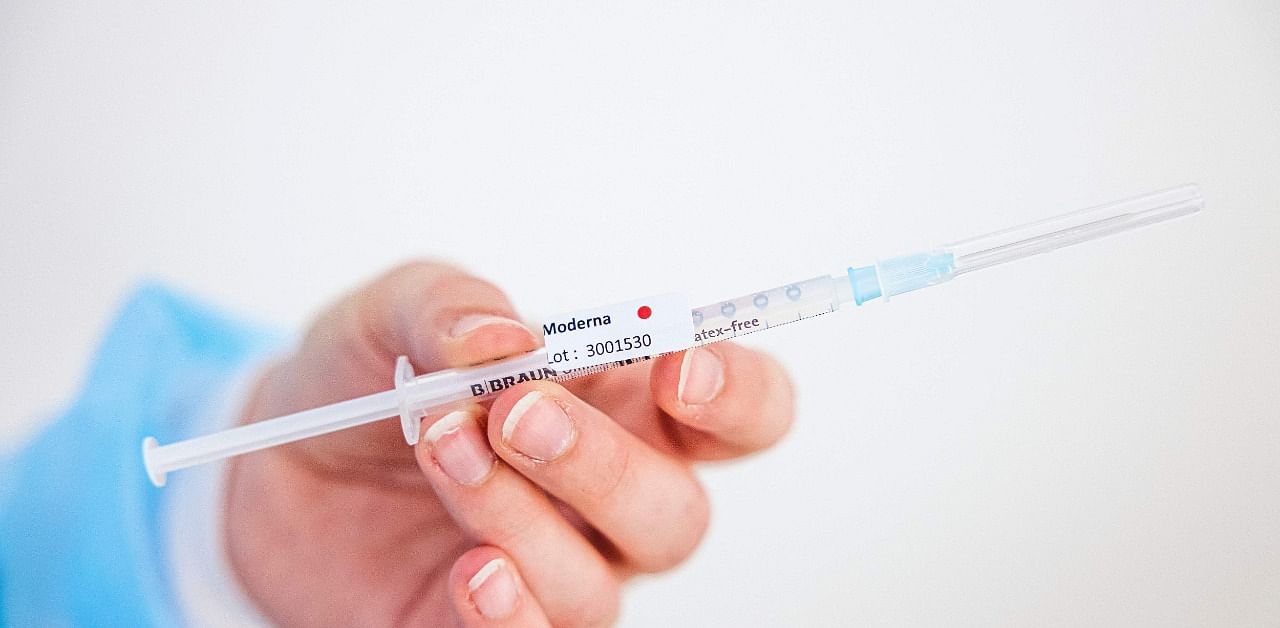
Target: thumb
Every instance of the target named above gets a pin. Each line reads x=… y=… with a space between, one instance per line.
x=441 y=317
x=437 y=315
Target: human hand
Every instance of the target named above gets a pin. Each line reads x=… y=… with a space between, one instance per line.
x=529 y=513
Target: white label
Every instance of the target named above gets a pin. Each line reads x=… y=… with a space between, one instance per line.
x=622 y=331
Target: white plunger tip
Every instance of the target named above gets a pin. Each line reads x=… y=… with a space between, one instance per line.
x=149 y=445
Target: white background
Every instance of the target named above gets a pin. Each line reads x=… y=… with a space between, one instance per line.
x=1090 y=437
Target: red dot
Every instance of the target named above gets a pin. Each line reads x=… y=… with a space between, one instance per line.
x=644 y=312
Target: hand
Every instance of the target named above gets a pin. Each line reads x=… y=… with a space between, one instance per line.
x=528 y=514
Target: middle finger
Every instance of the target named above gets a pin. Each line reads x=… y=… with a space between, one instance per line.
x=649 y=505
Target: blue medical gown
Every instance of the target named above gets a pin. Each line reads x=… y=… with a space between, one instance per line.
x=81 y=533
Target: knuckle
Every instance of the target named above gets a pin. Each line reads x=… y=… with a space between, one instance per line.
x=415 y=269
x=508 y=528
x=696 y=517
x=608 y=475
x=598 y=605
x=461 y=286
x=435 y=281
x=786 y=389
x=350 y=331
x=690 y=517
x=784 y=396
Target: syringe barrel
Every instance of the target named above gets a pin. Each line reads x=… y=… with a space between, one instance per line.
x=711 y=323
x=761 y=310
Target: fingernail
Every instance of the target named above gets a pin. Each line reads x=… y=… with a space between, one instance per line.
x=537 y=427
x=460 y=448
x=701 y=377
x=472 y=322
x=493 y=589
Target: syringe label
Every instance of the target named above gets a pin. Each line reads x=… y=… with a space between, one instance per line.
x=735 y=327
x=618 y=332
x=495 y=384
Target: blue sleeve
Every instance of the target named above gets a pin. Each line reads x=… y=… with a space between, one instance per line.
x=80 y=537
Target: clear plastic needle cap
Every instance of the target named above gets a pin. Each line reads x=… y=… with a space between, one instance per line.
x=921 y=270
x=1075 y=227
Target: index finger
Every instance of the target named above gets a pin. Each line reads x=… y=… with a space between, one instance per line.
x=725 y=400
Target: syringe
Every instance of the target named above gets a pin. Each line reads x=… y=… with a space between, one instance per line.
x=412 y=396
